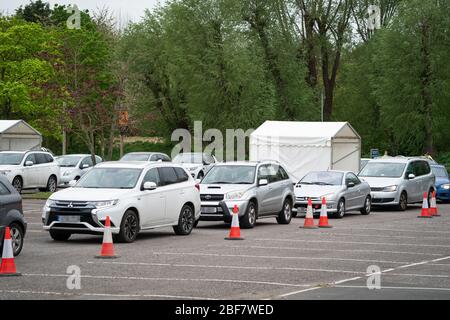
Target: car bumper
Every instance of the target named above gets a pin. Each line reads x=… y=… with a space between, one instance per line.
x=91 y=220
x=316 y=206
x=385 y=198
x=443 y=194
x=222 y=210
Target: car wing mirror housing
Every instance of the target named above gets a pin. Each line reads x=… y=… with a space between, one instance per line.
x=350 y=184
x=149 y=185
x=411 y=176
x=29 y=163
x=85 y=166
x=263 y=182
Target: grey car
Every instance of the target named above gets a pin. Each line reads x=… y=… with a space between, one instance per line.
x=398 y=181
x=258 y=189
x=343 y=192
x=11 y=215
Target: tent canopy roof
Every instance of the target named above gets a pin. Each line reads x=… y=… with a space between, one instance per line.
x=17 y=127
x=306 y=130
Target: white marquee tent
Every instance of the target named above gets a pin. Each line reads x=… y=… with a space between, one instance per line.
x=307 y=146
x=17 y=135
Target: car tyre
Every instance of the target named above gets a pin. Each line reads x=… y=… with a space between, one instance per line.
x=60 y=235
x=285 y=215
x=51 y=184
x=340 y=209
x=367 y=206
x=403 y=202
x=186 y=221
x=129 y=227
x=17 y=238
x=248 y=220
x=17 y=184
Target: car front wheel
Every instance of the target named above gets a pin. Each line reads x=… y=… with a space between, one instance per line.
x=340 y=209
x=51 y=184
x=403 y=202
x=248 y=220
x=129 y=227
x=367 y=206
x=186 y=221
x=17 y=184
x=17 y=238
x=285 y=216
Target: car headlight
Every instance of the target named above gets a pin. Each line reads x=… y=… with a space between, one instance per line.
x=5 y=172
x=103 y=204
x=329 y=196
x=446 y=186
x=49 y=203
x=66 y=173
x=236 y=195
x=389 y=189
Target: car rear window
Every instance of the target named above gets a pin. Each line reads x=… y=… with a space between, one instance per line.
x=182 y=175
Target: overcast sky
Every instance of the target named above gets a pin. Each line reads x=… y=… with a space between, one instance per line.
x=126 y=9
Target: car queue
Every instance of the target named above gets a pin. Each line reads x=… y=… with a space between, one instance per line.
x=144 y=191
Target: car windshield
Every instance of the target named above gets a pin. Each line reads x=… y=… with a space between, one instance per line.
x=188 y=158
x=110 y=178
x=68 y=161
x=135 y=157
x=383 y=170
x=230 y=175
x=440 y=172
x=325 y=178
x=11 y=158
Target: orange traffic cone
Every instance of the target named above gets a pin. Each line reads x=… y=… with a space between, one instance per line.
x=235 y=231
x=107 y=251
x=8 y=267
x=323 y=221
x=433 y=205
x=309 y=219
x=425 y=210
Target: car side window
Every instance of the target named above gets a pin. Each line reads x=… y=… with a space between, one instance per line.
x=182 y=175
x=426 y=167
x=410 y=170
x=208 y=159
x=273 y=174
x=87 y=160
x=152 y=176
x=48 y=158
x=98 y=159
x=40 y=158
x=281 y=174
x=4 y=190
x=154 y=157
x=352 y=178
x=420 y=168
x=167 y=176
x=164 y=158
x=30 y=157
x=263 y=172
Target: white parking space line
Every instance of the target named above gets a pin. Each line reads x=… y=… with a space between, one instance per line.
x=171 y=279
x=329 y=249
x=354 y=242
x=396 y=230
x=275 y=257
x=297 y=292
x=398 y=288
x=110 y=295
x=444 y=237
x=224 y=267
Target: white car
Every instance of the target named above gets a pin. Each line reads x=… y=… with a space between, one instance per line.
x=30 y=169
x=198 y=164
x=136 y=195
x=146 y=156
x=74 y=166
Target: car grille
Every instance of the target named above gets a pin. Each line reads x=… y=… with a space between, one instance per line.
x=306 y=199
x=72 y=208
x=71 y=204
x=211 y=197
x=376 y=189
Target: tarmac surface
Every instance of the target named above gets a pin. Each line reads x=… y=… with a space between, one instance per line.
x=274 y=261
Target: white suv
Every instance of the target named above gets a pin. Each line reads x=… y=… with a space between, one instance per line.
x=136 y=195
x=30 y=169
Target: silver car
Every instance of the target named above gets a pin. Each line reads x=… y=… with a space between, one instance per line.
x=342 y=190
x=74 y=166
x=398 y=181
x=258 y=189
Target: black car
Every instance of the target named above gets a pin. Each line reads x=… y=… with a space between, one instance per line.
x=11 y=215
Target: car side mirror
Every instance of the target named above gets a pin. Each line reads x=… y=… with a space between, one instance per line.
x=149 y=185
x=263 y=182
x=85 y=166
x=411 y=176
x=72 y=183
x=350 y=184
x=29 y=163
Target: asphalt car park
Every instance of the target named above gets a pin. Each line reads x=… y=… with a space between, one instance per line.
x=273 y=262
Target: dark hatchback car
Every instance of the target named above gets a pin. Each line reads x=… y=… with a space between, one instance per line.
x=11 y=215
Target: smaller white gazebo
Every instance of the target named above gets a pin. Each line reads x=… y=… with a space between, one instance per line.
x=17 y=135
